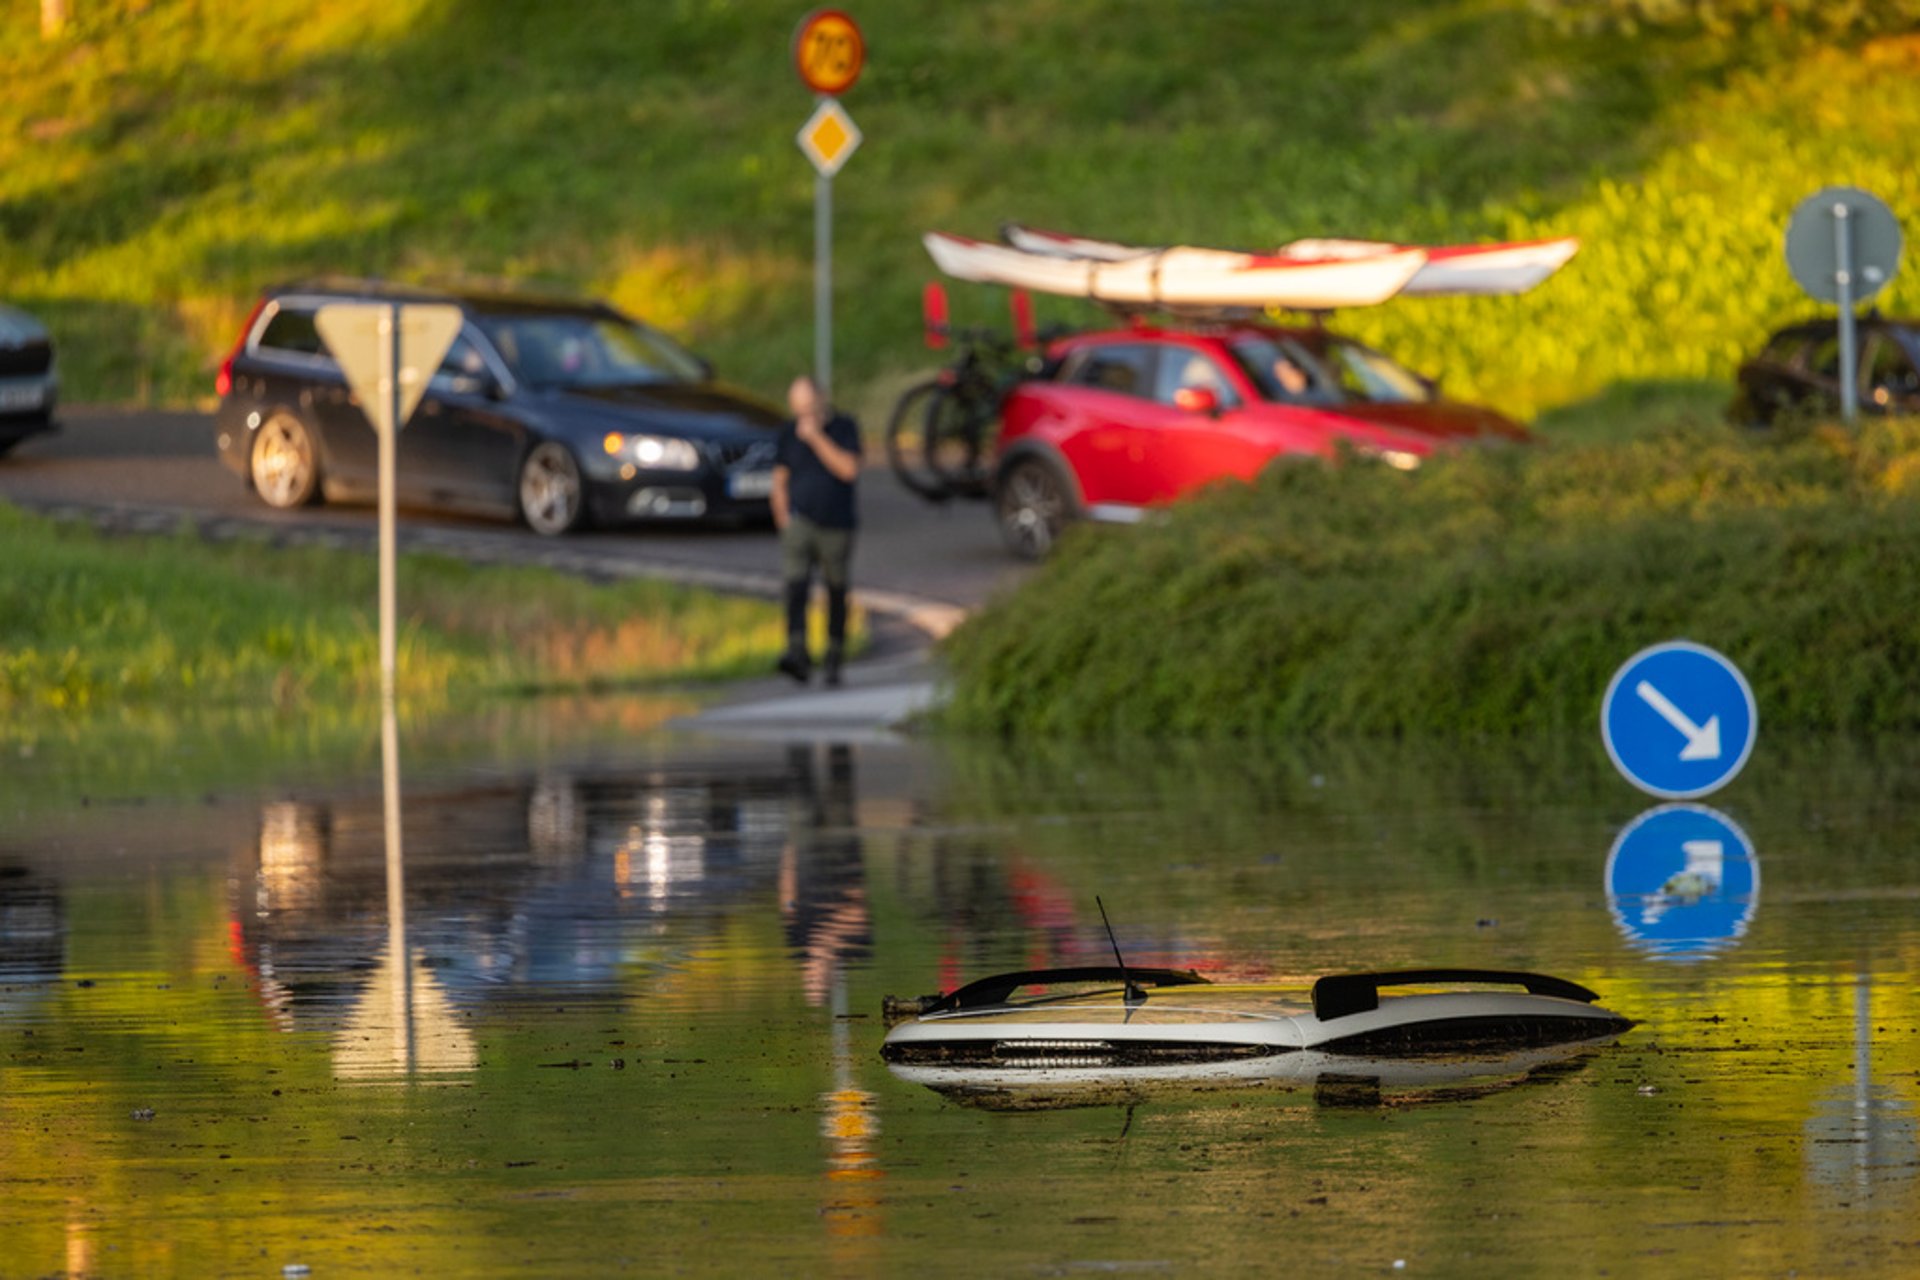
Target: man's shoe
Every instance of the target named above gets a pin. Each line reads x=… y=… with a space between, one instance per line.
x=833 y=668
x=795 y=663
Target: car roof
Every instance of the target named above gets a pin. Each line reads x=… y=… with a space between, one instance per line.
x=482 y=300
x=1227 y=332
x=1822 y=326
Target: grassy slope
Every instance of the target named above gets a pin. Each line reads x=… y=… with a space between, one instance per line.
x=87 y=622
x=172 y=156
x=1487 y=593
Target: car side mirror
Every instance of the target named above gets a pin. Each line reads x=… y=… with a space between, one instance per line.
x=706 y=369
x=1197 y=400
x=476 y=384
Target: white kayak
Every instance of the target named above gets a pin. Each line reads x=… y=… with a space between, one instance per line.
x=1182 y=277
x=1081 y=1019
x=1446 y=271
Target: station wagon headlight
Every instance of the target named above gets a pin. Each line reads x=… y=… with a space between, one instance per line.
x=655 y=453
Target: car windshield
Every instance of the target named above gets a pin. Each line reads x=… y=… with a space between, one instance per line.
x=556 y=349
x=1332 y=369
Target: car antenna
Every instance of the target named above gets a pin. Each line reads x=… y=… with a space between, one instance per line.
x=1134 y=994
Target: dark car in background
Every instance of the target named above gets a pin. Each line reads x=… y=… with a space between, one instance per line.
x=560 y=413
x=1797 y=372
x=29 y=379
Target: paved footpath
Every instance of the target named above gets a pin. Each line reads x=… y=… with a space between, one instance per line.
x=920 y=568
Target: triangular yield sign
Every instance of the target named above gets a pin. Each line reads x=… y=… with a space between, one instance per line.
x=357 y=332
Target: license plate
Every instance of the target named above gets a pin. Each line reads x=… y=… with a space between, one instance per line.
x=22 y=397
x=750 y=484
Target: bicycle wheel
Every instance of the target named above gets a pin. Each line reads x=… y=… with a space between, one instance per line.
x=909 y=441
x=958 y=424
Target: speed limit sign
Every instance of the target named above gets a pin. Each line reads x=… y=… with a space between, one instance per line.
x=829 y=51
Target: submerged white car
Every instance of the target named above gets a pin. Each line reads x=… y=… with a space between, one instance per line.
x=29 y=381
x=1110 y=1026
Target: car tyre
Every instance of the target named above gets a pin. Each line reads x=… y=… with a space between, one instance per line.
x=553 y=496
x=1034 y=505
x=283 y=464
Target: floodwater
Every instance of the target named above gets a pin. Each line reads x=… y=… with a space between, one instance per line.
x=629 y=1020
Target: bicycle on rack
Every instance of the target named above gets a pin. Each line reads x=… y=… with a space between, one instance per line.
x=940 y=436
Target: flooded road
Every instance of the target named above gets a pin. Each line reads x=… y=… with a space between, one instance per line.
x=634 y=1025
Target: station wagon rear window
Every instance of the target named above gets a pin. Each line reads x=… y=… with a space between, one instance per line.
x=291 y=331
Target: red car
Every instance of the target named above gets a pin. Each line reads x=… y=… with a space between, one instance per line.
x=1133 y=419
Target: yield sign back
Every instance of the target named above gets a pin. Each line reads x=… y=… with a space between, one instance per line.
x=358 y=334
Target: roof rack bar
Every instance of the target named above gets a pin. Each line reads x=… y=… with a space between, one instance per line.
x=1338 y=995
x=996 y=989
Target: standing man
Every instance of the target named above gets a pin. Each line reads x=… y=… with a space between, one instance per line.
x=815 y=467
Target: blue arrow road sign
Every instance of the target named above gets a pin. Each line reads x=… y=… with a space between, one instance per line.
x=1678 y=720
x=1682 y=879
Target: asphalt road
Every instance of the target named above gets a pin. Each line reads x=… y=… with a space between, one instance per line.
x=916 y=561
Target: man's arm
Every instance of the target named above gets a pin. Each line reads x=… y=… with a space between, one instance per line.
x=843 y=463
x=777 y=497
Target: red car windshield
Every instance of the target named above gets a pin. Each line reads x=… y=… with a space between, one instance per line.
x=1330 y=369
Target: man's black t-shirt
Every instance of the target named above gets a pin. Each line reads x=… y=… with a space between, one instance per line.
x=812 y=490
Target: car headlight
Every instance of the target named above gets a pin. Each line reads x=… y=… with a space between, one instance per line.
x=1398 y=459
x=655 y=453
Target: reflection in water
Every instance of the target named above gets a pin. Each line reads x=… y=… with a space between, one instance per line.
x=1329 y=1079
x=823 y=896
x=1862 y=1138
x=33 y=937
x=563 y=882
x=666 y=960
x=1683 y=881
x=403 y=1027
x=850 y=1122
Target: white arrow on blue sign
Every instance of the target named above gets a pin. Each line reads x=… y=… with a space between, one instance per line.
x=1683 y=879
x=1679 y=720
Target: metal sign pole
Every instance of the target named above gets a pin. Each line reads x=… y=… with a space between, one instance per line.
x=387 y=423
x=387 y=417
x=823 y=283
x=1843 y=283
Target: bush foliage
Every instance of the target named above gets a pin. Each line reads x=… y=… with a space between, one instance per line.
x=1489 y=593
x=1731 y=17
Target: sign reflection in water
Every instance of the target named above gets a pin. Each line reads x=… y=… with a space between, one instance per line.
x=562 y=882
x=1683 y=880
x=1861 y=1139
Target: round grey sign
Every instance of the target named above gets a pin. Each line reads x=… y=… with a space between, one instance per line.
x=1814 y=237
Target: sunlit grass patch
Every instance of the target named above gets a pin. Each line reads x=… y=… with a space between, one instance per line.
x=89 y=622
x=168 y=154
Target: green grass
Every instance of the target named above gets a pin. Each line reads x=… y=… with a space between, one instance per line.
x=168 y=158
x=91 y=624
x=1490 y=593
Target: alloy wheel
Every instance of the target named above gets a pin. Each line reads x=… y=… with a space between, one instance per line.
x=551 y=494
x=1033 y=509
x=284 y=474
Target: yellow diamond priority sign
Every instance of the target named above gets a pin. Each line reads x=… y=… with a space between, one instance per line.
x=829 y=137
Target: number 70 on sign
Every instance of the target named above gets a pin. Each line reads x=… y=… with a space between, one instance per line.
x=829 y=51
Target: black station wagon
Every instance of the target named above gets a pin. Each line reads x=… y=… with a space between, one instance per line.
x=560 y=413
x=1798 y=371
